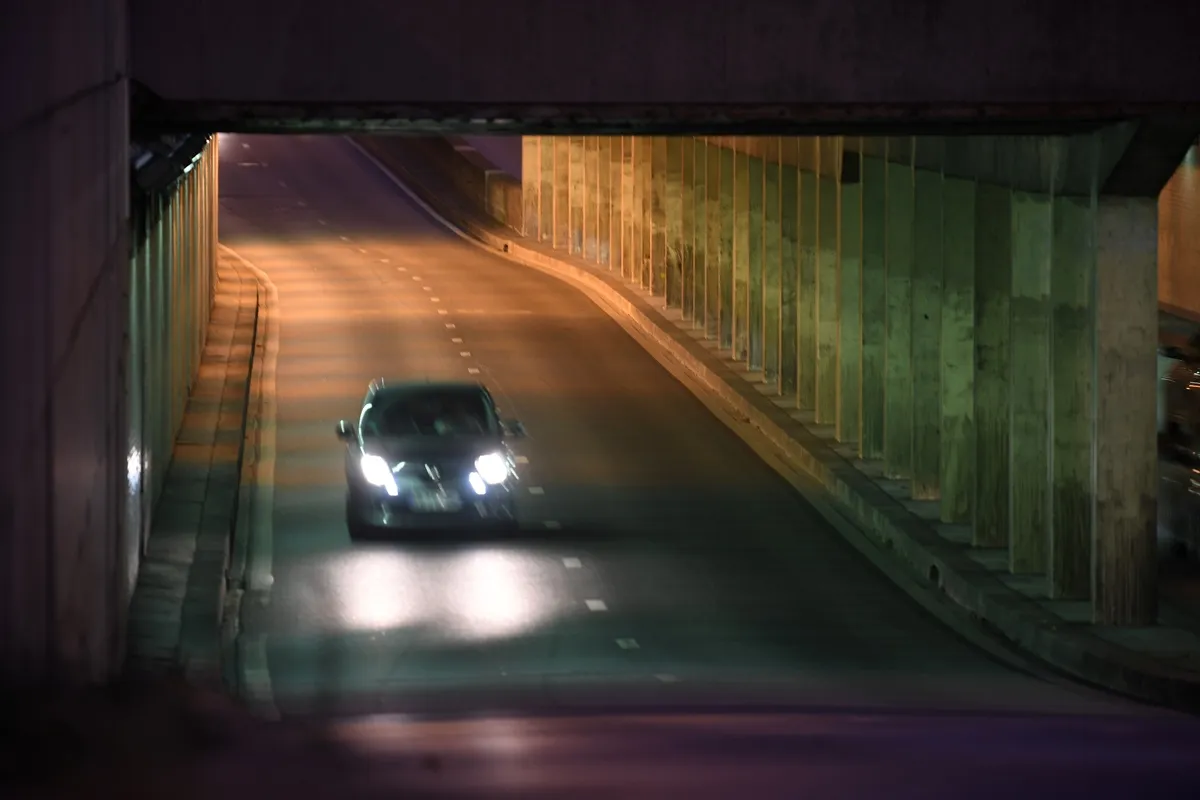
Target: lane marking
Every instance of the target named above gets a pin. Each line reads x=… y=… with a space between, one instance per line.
x=386 y=261
x=457 y=340
x=572 y=563
x=536 y=490
x=667 y=677
x=443 y=311
x=322 y=222
x=427 y=288
x=472 y=371
x=522 y=459
x=402 y=269
x=551 y=524
x=465 y=353
x=449 y=326
x=416 y=277
x=362 y=249
x=435 y=299
x=628 y=644
x=245 y=146
x=596 y=605
x=344 y=238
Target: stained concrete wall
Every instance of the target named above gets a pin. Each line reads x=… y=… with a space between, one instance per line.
x=78 y=351
x=975 y=347
x=63 y=277
x=1179 y=240
x=484 y=53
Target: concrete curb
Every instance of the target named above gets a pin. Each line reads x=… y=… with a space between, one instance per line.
x=928 y=558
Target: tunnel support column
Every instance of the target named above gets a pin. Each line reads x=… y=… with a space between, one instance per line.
x=673 y=210
x=1029 y=379
x=928 y=233
x=789 y=269
x=772 y=262
x=577 y=192
x=688 y=216
x=808 y=158
x=898 y=412
x=993 y=346
x=591 y=195
x=958 y=352
x=874 y=307
x=756 y=278
x=1073 y=361
x=828 y=201
x=629 y=205
x=546 y=188
x=531 y=186
x=849 y=291
x=727 y=228
x=561 y=192
x=740 y=310
x=644 y=167
x=1125 y=577
x=603 y=199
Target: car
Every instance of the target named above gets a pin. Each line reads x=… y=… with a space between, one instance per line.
x=429 y=455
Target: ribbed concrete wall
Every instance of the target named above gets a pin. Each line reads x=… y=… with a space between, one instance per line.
x=95 y=357
x=1179 y=240
x=64 y=240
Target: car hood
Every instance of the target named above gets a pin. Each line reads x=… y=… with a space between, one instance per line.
x=432 y=449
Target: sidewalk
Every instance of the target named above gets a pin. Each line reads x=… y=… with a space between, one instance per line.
x=176 y=614
x=1160 y=664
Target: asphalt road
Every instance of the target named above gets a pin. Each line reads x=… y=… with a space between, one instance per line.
x=660 y=555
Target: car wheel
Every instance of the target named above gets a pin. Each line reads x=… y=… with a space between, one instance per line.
x=359 y=530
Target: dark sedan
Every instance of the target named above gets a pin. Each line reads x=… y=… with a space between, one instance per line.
x=429 y=455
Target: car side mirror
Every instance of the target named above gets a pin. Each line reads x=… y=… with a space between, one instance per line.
x=514 y=428
x=345 y=431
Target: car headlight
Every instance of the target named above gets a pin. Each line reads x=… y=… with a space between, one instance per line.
x=492 y=467
x=377 y=473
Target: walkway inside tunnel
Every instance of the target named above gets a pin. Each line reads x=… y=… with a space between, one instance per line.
x=658 y=550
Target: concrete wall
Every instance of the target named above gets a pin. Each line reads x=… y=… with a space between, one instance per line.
x=1179 y=240
x=549 y=52
x=63 y=277
x=90 y=385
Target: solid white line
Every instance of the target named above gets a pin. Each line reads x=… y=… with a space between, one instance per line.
x=572 y=563
x=596 y=605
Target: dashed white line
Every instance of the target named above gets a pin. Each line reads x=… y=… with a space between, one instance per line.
x=596 y=605
x=572 y=563
x=465 y=353
x=628 y=644
x=666 y=677
x=472 y=371
x=362 y=249
x=536 y=490
x=551 y=524
x=443 y=311
x=387 y=261
x=402 y=269
x=449 y=326
x=416 y=277
x=245 y=146
x=457 y=340
x=322 y=222
x=435 y=299
x=344 y=238
x=522 y=459
x=427 y=288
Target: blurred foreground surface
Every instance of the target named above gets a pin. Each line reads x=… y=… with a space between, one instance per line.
x=169 y=740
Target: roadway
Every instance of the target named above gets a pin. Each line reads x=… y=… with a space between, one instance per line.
x=659 y=553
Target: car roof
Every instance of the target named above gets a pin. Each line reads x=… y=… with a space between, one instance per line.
x=389 y=390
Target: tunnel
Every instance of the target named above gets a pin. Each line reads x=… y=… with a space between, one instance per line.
x=788 y=350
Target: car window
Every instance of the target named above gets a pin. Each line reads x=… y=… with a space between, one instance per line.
x=445 y=413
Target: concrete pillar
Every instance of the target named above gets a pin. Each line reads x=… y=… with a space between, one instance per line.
x=577 y=188
x=1029 y=378
x=658 y=216
x=993 y=348
x=712 y=299
x=604 y=176
x=849 y=301
x=630 y=202
x=687 y=226
x=531 y=185
x=898 y=391
x=829 y=157
x=755 y=280
x=1125 y=578
x=1072 y=390
x=614 y=203
x=927 y=331
x=562 y=193
x=808 y=153
x=673 y=208
x=645 y=173
x=725 y=307
x=789 y=270
x=546 y=155
x=772 y=263
x=874 y=308
x=740 y=312
x=591 y=187
x=957 y=379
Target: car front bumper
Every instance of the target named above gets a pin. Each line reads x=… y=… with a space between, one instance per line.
x=377 y=510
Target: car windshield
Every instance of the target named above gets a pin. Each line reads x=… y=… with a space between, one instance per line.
x=432 y=413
